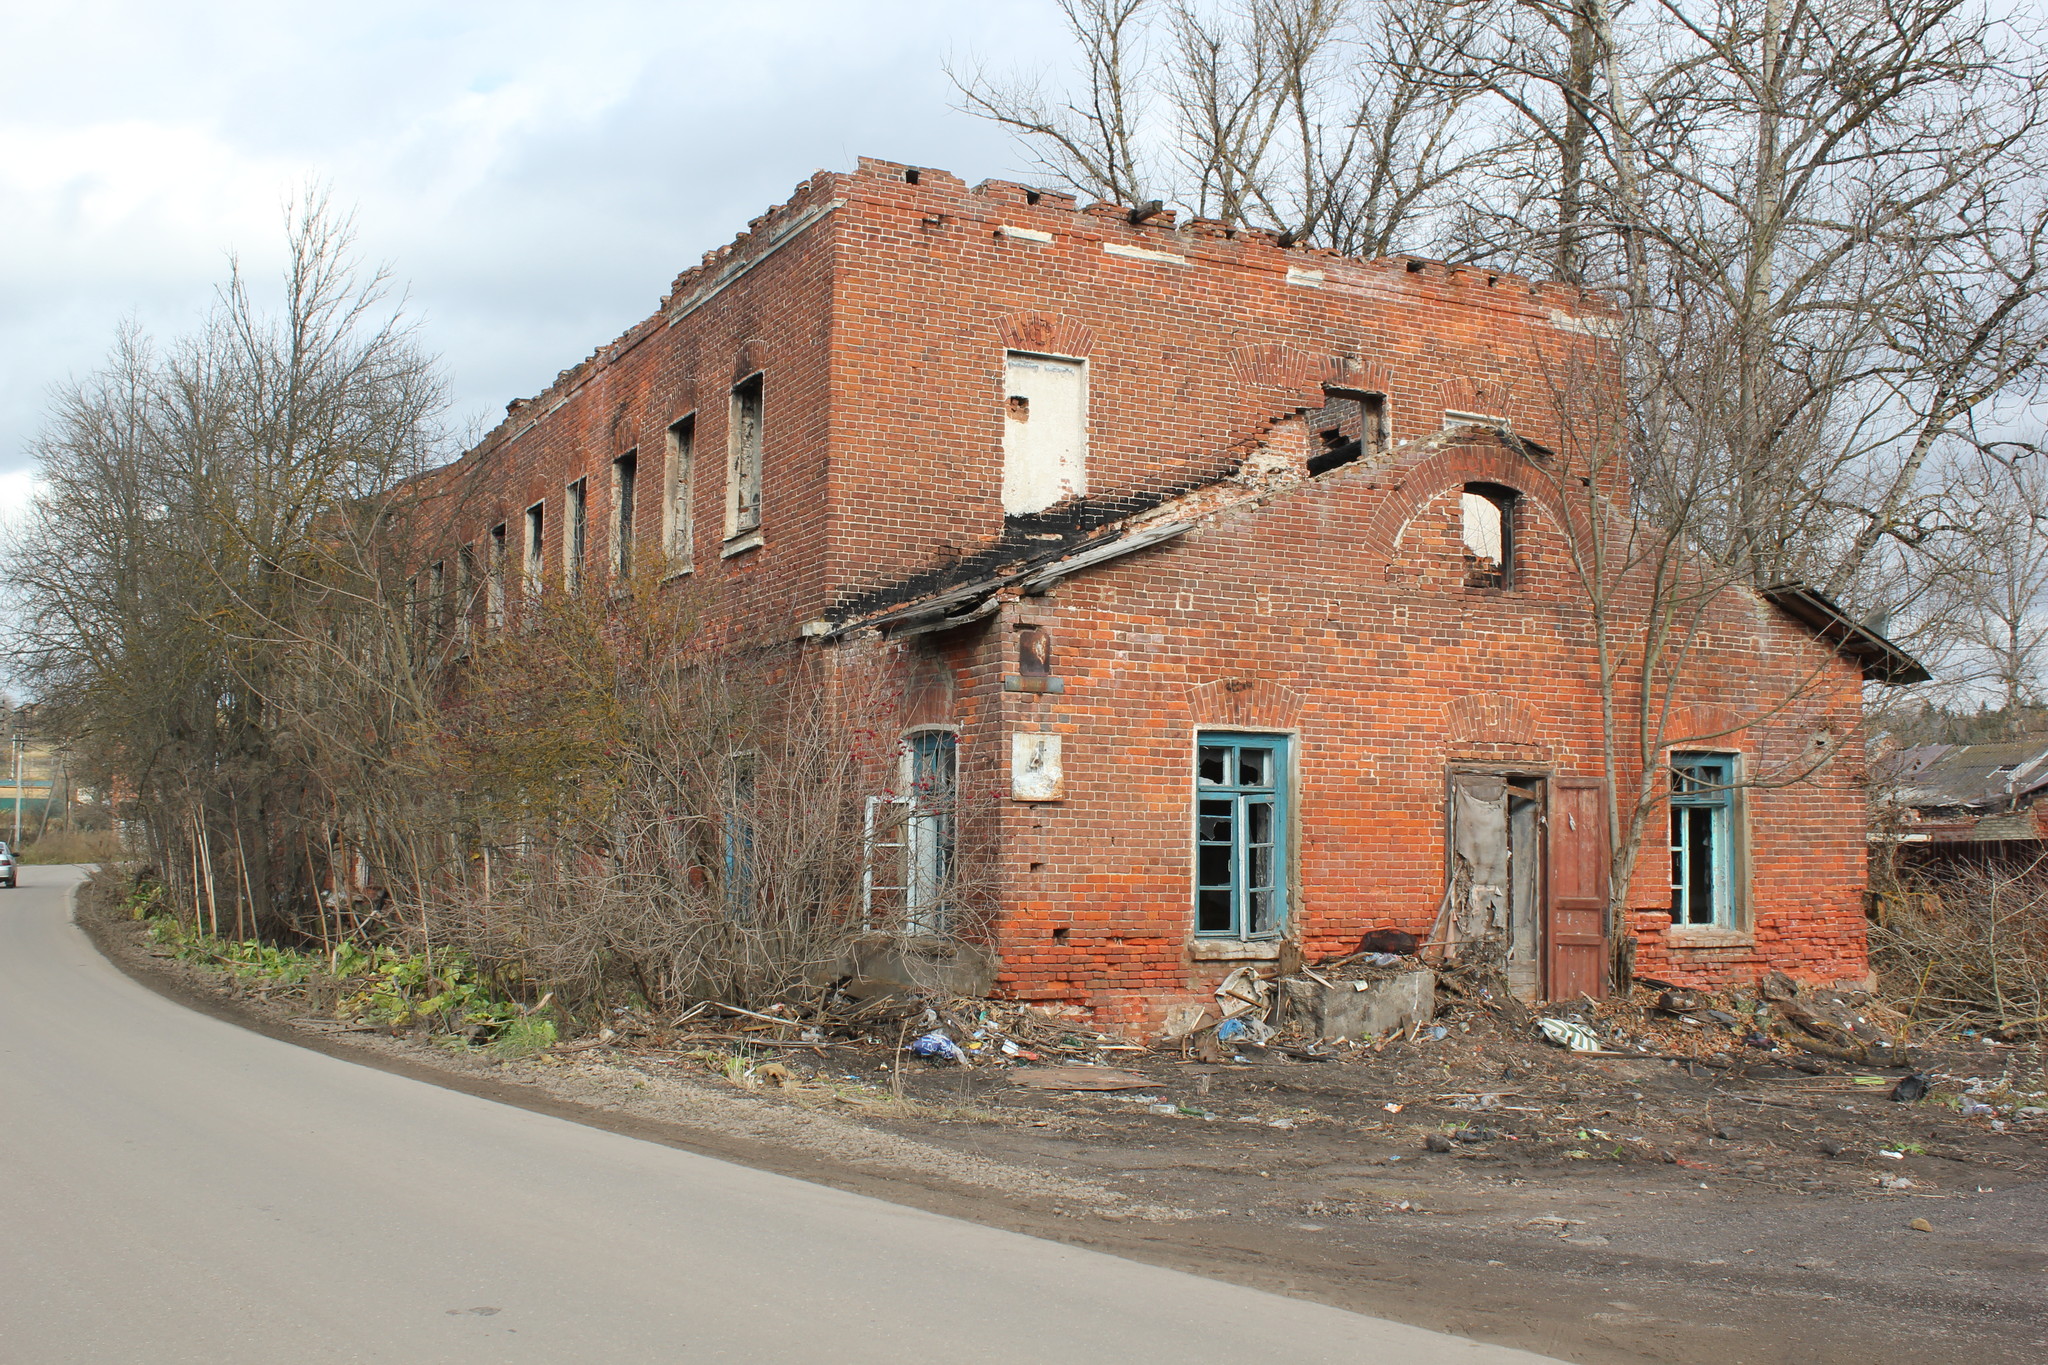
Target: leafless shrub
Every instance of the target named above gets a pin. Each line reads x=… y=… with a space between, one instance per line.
x=1968 y=946
x=657 y=813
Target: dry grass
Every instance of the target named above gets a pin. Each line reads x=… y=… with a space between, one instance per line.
x=73 y=846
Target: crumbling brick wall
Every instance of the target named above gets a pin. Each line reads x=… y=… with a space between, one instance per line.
x=878 y=306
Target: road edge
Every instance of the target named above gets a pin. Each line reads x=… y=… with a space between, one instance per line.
x=1209 y=1260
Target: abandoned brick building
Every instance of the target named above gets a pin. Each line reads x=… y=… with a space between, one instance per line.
x=1228 y=557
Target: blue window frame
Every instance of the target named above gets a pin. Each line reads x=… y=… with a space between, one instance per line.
x=1240 y=835
x=1703 y=839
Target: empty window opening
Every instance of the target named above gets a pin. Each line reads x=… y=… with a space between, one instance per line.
x=1045 y=432
x=1348 y=427
x=465 y=594
x=576 y=541
x=1034 y=653
x=1703 y=840
x=494 y=585
x=682 y=449
x=437 y=599
x=739 y=826
x=536 y=565
x=1487 y=515
x=1240 y=823
x=624 y=475
x=743 y=495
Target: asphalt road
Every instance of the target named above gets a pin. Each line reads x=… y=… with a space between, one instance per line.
x=173 y=1188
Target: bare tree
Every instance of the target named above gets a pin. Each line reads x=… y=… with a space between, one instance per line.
x=187 y=493
x=1322 y=121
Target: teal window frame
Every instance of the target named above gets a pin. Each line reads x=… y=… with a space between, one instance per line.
x=1703 y=833
x=932 y=764
x=1242 y=783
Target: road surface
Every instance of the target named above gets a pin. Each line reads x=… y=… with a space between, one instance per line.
x=173 y=1188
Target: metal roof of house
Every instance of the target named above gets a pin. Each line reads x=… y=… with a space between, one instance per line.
x=1880 y=659
x=1976 y=777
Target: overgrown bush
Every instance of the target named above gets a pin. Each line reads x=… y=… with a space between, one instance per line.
x=1967 y=946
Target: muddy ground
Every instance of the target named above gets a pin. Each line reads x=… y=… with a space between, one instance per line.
x=1594 y=1209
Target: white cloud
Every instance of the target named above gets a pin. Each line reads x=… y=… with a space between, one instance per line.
x=537 y=175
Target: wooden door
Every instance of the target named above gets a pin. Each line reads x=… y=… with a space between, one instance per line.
x=1575 y=913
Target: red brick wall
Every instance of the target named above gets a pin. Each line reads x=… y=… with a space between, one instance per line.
x=1369 y=650
x=879 y=311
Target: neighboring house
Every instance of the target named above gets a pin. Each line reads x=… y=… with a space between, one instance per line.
x=1977 y=802
x=1236 y=561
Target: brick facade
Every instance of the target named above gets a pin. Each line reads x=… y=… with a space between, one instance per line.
x=878 y=308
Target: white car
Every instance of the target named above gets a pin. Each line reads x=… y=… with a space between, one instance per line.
x=8 y=875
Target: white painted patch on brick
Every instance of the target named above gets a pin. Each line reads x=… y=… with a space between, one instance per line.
x=1140 y=253
x=1023 y=234
x=1592 y=325
x=1311 y=279
x=1036 y=772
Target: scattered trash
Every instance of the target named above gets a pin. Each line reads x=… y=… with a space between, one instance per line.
x=937 y=1047
x=1079 y=1078
x=1244 y=1028
x=1912 y=1089
x=1244 y=991
x=1566 y=1034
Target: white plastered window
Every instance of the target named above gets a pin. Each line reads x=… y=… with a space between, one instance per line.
x=1045 y=431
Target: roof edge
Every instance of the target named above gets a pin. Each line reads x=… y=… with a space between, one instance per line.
x=1878 y=658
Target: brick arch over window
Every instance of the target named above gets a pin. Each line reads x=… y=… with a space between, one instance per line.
x=1269 y=370
x=1706 y=725
x=1466 y=394
x=752 y=358
x=1363 y=376
x=1244 y=701
x=1045 y=333
x=1414 y=488
x=1489 y=719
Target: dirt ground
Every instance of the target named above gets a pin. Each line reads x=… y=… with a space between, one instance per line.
x=1592 y=1208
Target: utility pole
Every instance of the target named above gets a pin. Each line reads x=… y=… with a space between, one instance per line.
x=16 y=842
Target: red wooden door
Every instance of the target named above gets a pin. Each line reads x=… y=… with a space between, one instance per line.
x=1575 y=919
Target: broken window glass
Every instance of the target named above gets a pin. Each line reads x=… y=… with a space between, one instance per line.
x=933 y=762
x=1702 y=839
x=1240 y=861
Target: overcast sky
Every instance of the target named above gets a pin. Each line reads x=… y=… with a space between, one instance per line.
x=535 y=174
